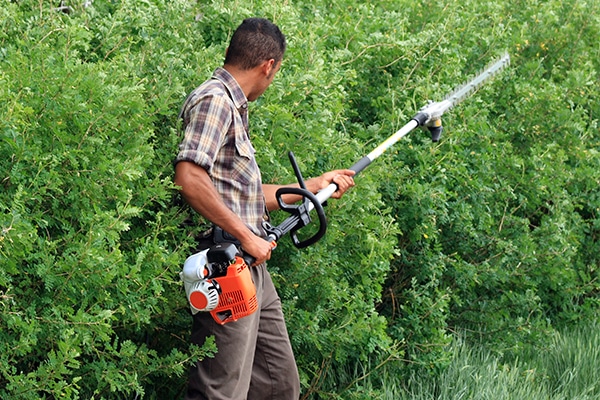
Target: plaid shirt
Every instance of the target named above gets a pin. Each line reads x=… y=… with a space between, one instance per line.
x=215 y=122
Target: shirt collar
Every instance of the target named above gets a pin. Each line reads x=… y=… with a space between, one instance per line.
x=235 y=91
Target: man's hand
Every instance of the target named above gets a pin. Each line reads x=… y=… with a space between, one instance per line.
x=341 y=177
x=258 y=248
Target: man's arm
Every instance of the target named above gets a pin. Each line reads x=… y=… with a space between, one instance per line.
x=341 y=177
x=199 y=192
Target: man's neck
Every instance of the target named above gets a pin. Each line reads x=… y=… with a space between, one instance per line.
x=245 y=78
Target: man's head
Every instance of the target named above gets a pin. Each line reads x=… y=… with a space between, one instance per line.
x=255 y=41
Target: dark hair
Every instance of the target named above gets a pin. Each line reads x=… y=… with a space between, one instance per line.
x=256 y=40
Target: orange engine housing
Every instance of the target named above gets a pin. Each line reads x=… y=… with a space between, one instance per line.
x=238 y=294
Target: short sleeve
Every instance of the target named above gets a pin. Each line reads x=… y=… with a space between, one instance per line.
x=206 y=122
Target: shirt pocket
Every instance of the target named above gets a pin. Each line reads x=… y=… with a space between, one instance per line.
x=245 y=169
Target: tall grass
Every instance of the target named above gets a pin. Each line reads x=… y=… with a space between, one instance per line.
x=568 y=368
x=572 y=364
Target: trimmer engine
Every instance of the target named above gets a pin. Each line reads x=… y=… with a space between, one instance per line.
x=218 y=280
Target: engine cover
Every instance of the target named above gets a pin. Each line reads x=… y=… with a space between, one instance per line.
x=238 y=294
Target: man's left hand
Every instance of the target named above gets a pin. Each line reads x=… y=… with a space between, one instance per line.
x=341 y=177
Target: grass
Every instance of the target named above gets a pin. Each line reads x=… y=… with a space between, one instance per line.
x=568 y=368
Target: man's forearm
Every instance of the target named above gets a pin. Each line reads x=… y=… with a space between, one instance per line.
x=313 y=185
x=271 y=199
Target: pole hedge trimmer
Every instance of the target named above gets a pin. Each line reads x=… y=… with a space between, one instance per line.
x=217 y=280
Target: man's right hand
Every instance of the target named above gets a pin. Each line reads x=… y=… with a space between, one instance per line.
x=258 y=248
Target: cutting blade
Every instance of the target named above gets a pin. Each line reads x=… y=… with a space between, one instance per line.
x=462 y=92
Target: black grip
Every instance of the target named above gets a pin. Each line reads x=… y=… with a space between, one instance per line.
x=361 y=164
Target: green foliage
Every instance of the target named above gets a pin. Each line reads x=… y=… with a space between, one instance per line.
x=494 y=230
x=89 y=242
x=497 y=220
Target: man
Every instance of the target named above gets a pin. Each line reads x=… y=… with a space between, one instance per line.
x=220 y=179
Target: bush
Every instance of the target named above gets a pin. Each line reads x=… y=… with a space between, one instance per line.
x=90 y=243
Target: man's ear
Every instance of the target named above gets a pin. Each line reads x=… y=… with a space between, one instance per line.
x=268 y=67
